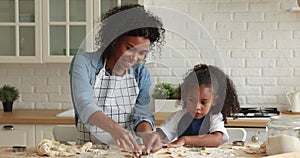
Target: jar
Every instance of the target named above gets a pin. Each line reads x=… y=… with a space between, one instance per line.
x=283 y=135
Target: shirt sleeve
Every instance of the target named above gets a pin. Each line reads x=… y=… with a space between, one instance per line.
x=217 y=124
x=170 y=125
x=81 y=87
x=142 y=107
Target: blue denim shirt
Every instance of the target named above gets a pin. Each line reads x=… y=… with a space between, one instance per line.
x=83 y=70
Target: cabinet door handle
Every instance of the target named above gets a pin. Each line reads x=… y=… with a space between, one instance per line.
x=8 y=127
x=254 y=139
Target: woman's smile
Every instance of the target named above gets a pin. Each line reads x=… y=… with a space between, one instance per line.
x=128 y=51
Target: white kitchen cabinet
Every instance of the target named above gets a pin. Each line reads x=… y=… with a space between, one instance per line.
x=65 y=25
x=25 y=134
x=35 y=31
x=20 y=30
x=17 y=134
x=43 y=131
x=259 y=133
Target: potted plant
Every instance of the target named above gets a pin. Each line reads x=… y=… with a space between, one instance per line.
x=8 y=94
x=166 y=95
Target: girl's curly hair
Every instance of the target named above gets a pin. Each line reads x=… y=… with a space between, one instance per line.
x=222 y=85
x=129 y=20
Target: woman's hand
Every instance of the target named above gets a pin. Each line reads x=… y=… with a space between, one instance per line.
x=152 y=141
x=122 y=137
x=125 y=140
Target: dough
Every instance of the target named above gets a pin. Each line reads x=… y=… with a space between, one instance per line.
x=53 y=148
x=255 y=148
x=182 y=152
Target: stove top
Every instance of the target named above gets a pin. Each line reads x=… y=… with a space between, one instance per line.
x=257 y=112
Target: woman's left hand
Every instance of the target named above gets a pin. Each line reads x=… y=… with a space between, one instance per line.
x=151 y=141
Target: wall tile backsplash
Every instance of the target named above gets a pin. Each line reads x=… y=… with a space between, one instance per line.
x=258 y=43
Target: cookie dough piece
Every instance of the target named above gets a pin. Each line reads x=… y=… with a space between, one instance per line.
x=255 y=148
x=53 y=148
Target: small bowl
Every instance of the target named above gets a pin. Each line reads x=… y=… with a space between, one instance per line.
x=19 y=148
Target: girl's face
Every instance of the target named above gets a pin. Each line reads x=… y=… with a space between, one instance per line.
x=199 y=100
x=128 y=51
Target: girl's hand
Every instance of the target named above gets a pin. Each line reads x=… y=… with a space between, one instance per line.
x=165 y=143
x=125 y=140
x=178 y=143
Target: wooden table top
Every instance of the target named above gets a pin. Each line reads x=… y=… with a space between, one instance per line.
x=34 y=116
x=161 y=116
x=48 y=116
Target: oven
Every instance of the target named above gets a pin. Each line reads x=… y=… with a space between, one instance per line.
x=252 y=114
x=257 y=113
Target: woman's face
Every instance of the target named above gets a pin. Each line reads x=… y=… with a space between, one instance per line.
x=128 y=51
x=199 y=100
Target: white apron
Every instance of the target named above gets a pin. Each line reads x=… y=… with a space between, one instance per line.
x=116 y=97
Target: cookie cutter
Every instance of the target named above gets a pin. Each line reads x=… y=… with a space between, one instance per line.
x=19 y=148
x=238 y=143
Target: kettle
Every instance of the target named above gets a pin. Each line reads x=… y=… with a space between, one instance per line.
x=294 y=100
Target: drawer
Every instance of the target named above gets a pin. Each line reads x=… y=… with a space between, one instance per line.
x=260 y=133
x=16 y=134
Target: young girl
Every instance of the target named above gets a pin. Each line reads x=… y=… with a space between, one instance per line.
x=208 y=96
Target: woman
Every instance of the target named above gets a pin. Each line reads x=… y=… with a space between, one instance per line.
x=110 y=87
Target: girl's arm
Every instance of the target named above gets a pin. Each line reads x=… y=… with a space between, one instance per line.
x=211 y=140
x=217 y=136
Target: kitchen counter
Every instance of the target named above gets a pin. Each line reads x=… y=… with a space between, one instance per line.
x=161 y=116
x=48 y=116
x=34 y=116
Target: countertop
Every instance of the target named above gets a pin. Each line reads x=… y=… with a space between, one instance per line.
x=161 y=116
x=240 y=122
x=34 y=116
x=48 y=116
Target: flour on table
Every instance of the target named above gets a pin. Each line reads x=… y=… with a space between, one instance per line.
x=183 y=152
x=255 y=148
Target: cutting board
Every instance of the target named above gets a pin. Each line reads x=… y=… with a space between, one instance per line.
x=289 y=113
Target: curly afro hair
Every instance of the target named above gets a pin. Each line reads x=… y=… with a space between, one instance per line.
x=129 y=20
x=223 y=86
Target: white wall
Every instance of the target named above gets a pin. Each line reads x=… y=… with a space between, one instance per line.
x=42 y=86
x=258 y=43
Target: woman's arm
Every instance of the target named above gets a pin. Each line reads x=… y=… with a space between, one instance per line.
x=143 y=117
x=82 y=74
